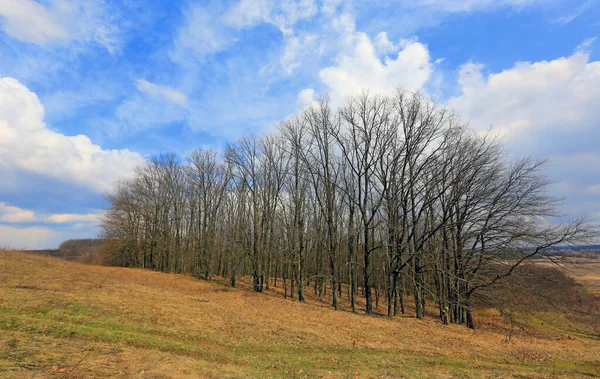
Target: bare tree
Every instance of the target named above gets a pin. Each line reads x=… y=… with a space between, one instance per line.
x=209 y=180
x=395 y=185
x=362 y=138
x=322 y=164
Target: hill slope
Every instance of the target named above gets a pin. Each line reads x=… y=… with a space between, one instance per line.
x=64 y=319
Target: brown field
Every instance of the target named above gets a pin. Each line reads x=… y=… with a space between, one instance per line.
x=68 y=320
x=584 y=270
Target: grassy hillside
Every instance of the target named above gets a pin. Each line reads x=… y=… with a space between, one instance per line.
x=65 y=319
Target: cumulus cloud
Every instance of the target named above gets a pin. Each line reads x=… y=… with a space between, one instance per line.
x=559 y=95
x=548 y=109
x=29 y=145
x=362 y=68
x=384 y=45
x=58 y=21
x=306 y=96
x=380 y=65
x=359 y=61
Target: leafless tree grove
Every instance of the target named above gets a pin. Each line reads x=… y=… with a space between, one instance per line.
x=386 y=197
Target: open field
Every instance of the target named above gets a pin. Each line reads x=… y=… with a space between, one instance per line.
x=584 y=270
x=64 y=319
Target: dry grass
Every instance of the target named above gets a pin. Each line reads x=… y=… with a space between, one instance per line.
x=584 y=270
x=63 y=319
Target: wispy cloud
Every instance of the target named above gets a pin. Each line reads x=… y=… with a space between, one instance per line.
x=593 y=189
x=42 y=237
x=201 y=33
x=60 y=21
x=33 y=22
x=165 y=92
x=283 y=14
x=472 y=5
x=35 y=237
x=15 y=215
x=152 y=107
x=574 y=13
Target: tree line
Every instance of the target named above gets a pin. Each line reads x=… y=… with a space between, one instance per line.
x=386 y=198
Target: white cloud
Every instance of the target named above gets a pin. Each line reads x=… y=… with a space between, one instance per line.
x=361 y=66
x=40 y=237
x=68 y=218
x=150 y=111
x=575 y=13
x=283 y=14
x=360 y=62
x=408 y=17
x=329 y=7
x=546 y=109
x=299 y=48
x=165 y=92
x=345 y=25
x=471 y=5
x=384 y=45
x=293 y=11
x=558 y=95
x=593 y=189
x=201 y=33
x=306 y=96
x=155 y=106
x=249 y=12
x=58 y=21
x=30 y=21
x=27 y=144
x=12 y=214
x=9 y=213
x=28 y=238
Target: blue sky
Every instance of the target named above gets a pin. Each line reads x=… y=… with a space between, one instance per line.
x=91 y=88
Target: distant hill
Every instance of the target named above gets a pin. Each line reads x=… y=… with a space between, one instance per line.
x=581 y=247
x=80 y=250
x=581 y=251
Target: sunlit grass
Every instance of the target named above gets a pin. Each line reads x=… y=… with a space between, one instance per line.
x=59 y=318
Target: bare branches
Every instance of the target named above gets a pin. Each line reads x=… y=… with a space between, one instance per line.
x=395 y=186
